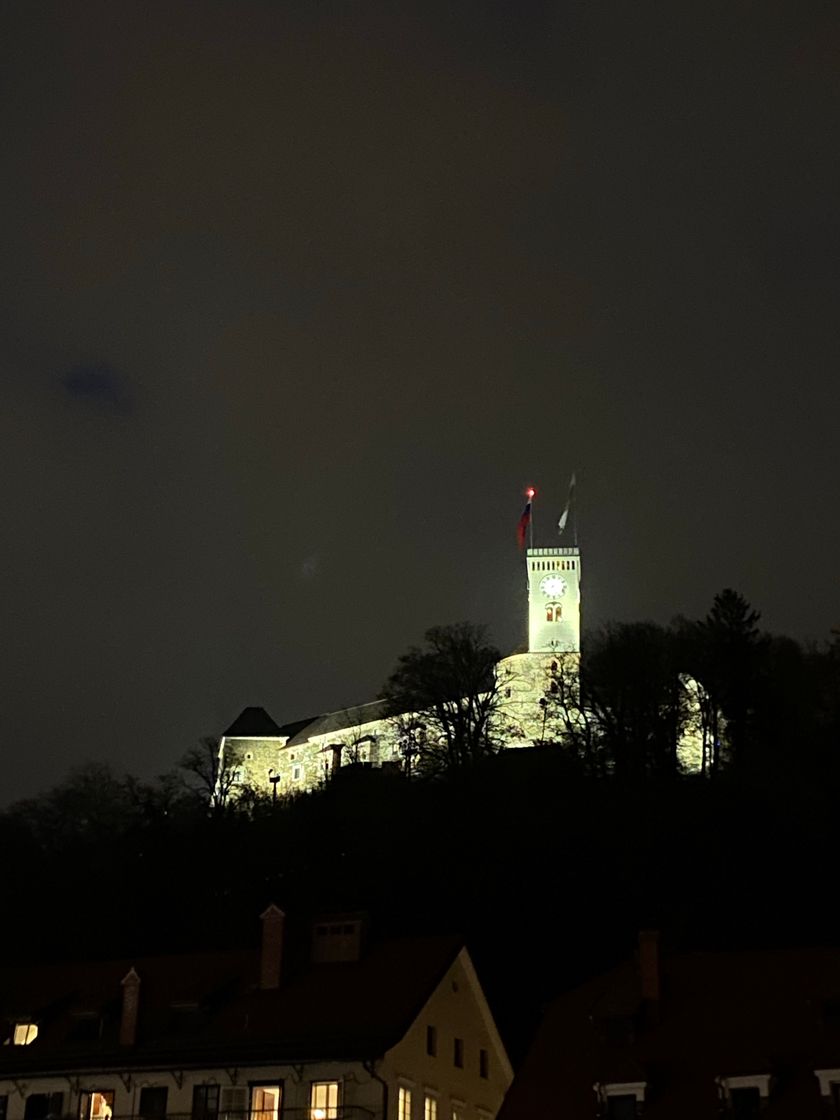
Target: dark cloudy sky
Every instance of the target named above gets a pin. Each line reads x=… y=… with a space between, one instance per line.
x=298 y=296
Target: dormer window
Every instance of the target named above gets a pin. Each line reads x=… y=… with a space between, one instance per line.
x=24 y=1033
x=829 y=1080
x=744 y=1097
x=620 y=1100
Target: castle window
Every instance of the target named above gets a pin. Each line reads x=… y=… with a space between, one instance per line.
x=483 y=1064
x=430 y=1108
x=296 y=772
x=323 y=1100
x=458 y=1053
x=549 y=614
x=431 y=1041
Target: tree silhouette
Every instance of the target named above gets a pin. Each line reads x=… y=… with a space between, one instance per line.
x=450 y=688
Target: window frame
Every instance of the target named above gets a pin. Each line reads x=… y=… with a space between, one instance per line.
x=331 y=1111
x=87 y=1095
x=30 y=1029
x=458 y=1050
x=405 y=1100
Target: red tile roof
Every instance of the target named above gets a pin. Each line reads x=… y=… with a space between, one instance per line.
x=206 y=1007
x=720 y=1015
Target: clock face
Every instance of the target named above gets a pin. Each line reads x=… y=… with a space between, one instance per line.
x=553 y=586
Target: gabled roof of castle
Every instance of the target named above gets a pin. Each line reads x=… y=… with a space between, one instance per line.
x=332 y=723
x=253 y=723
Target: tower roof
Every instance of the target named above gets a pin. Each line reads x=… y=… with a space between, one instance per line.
x=253 y=723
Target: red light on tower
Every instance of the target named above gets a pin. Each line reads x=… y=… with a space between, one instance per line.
x=530 y=492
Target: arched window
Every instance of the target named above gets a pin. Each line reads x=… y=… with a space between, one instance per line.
x=549 y=614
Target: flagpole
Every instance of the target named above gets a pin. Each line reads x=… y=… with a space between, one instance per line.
x=531 y=522
x=574 y=511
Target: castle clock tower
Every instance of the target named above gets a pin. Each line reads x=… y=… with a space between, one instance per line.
x=553 y=600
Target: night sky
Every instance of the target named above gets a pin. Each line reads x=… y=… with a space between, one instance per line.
x=298 y=297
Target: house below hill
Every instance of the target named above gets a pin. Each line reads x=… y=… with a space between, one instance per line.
x=697 y=1036
x=398 y=1030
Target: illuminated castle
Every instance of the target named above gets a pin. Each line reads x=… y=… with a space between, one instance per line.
x=280 y=759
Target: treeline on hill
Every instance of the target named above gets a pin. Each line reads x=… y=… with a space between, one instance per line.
x=548 y=860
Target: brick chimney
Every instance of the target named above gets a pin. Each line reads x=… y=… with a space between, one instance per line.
x=649 y=968
x=271 y=955
x=130 y=1008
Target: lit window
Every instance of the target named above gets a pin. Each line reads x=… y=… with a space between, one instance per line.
x=458 y=1053
x=431 y=1041
x=404 y=1103
x=459 y=1111
x=483 y=1064
x=430 y=1109
x=96 y=1105
x=265 y=1102
x=24 y=1034
x=323 y=1100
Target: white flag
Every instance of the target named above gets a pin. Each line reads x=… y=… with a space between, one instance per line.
x=564 y=516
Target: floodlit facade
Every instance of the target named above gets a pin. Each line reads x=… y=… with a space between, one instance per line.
x=344 y=1032
x=294 y=757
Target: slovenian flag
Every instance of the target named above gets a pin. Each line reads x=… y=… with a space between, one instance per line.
x=524 y=520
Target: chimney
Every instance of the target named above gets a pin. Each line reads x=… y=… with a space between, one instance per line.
x=130 y=1007
x=649 y=968
x=271 y=956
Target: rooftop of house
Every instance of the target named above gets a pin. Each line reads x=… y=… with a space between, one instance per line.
x=209 y=1007
x=719 y=1016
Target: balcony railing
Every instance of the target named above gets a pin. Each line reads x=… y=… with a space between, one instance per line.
x=343 y=1112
